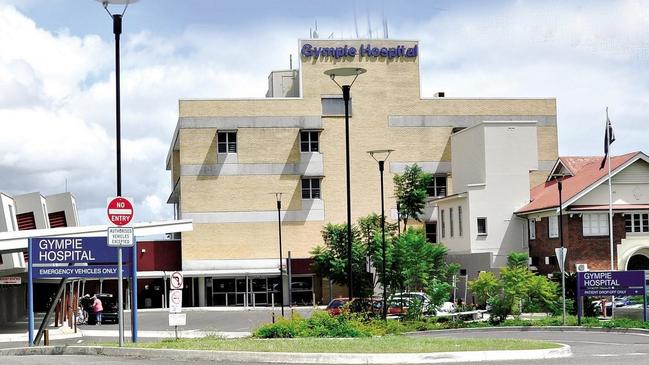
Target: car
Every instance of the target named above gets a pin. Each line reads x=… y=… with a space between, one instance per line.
x=399 y=306
x=110 y=312
x=408 y=297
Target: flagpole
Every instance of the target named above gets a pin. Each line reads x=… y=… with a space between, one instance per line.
x=610 y=206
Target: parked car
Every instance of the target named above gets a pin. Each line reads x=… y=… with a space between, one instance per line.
x=408 y=297
x=110 y=312
x=399 y=306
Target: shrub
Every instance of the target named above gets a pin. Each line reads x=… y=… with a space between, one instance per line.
x=284 y=328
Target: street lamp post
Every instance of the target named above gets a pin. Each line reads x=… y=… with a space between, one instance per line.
x=278 y=197
x=381 y=156
x=347 y=72
x=117 y=30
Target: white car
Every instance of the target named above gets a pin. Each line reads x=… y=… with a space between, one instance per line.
x=422 y=297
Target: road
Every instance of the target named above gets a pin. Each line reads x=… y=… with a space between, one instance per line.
x=592 y=348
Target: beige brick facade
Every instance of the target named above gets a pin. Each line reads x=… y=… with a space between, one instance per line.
x=388 y=91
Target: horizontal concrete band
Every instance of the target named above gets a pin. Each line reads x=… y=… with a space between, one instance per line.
x=302 y=122
x=294 y=358
x=444 y=167
x=464 y=120
x=435 y=167
x=309 y=166
x=305 y=215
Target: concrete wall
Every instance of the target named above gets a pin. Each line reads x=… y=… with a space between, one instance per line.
x=33 y=202
x=64 y=202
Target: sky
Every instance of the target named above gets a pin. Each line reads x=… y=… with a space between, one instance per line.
x=57 y=75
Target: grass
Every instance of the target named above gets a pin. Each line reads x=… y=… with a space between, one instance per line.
x=385 y=344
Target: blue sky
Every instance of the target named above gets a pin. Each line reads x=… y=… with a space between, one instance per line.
x=57 y=74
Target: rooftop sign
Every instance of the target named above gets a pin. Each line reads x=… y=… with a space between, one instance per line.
x=365 y=50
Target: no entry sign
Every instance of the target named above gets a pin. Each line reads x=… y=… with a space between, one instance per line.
x=120 y=211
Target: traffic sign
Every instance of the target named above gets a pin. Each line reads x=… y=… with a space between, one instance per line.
x=175 y=301
x=176 y=280
x=561 y=257
x=177 y=319
x=120 y=211
x=120 y=236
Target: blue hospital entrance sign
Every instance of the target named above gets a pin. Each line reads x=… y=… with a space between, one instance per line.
x=73 y=250
x=611 y=283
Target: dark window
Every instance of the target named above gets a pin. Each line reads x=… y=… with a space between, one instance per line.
x=450 y=219
x=431 y=232
x=26 y=221
x=636 y=222
x=482 y=226
x=57 y=219
x=535 y=261
x=441 y=215
x=437 y=186
x=553 y=261
x=459 y=219
x=309 y=141
x=310 y=188
x=227 y=142
x=462 y=272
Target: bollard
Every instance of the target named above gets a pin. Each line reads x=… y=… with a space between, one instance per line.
x=46 y=337
x=273 y=317
x=56 y=318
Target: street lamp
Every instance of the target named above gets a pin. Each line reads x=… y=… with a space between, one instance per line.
x=381 y=156
x=117 y=30
x=278 y=197
x=347 y=72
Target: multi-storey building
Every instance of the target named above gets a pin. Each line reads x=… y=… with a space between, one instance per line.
x=228 y=157
x=585 y=215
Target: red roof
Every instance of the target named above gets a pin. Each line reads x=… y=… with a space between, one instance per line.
x=585 y=171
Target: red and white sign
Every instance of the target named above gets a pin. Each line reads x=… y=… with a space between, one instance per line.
x=176 y=280
x=120 y=211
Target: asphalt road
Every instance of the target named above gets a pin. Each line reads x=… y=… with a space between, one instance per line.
x=591 y=348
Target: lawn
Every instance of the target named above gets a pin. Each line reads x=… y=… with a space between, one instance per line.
x=385 y=344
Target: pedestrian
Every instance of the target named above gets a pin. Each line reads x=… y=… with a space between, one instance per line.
x=97 y=308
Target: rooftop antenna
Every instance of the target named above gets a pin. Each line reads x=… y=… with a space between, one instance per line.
x=315 y=31
x=385 y=22
x=290 y=62
x=369 y=23
x=66 y=184
x=355 y=21
x=331 y=35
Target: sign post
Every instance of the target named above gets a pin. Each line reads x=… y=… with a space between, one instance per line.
x=561 y=259
x=30 y=298
x=120 y=213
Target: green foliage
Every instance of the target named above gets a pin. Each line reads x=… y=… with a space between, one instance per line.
x=517 y=259
x=330 y=260
x=485 y=287
x=410 y=191
x=516 y=289
x=320 y=324
x=414 y=264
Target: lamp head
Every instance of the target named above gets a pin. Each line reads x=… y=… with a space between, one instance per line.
x=380 y=155
x=345 y=72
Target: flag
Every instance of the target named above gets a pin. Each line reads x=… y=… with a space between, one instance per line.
x=609 y=137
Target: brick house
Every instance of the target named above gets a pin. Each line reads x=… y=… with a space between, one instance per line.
x=585 y=215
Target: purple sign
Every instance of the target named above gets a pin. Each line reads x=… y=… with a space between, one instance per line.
x=62 y=250
x=610 y=283
x=94 y=271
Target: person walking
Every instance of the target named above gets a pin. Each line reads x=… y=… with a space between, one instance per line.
x=97 y=308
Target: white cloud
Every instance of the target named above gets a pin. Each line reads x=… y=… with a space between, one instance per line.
x=57 y=90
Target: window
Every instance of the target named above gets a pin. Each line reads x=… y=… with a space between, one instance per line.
x=335 y=106
x=636 y=222
x=482 y=226
x=450 y=219
x=431 y=232
x=443 y=224
x=309 y=141
x=532 y=224
x=553 y=227
x=310 y=188
x=534 y=261
x=459 y=220
x=227 y=142
x=595 y=224
x=437 y=186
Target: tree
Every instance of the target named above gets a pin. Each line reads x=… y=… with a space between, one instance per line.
x=330 y=260
x=414 y=264
x=410 y=190
x=517 y=287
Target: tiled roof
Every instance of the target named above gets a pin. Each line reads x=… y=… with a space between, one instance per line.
x=585 y=172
